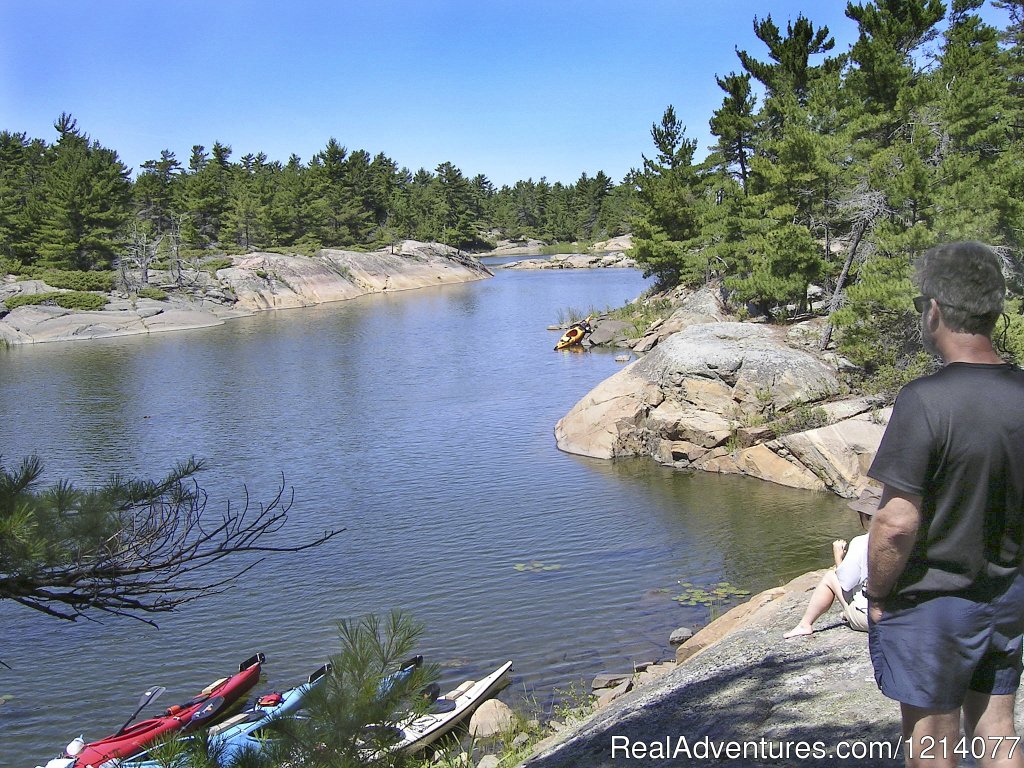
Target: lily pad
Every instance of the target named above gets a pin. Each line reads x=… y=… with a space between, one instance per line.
x=714 y=596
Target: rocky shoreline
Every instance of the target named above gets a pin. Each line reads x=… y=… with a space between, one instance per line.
x=738 y=682
x=261 y=281
x=614 y=260
x=607 y=254
x=253 y=283
x=714 y=394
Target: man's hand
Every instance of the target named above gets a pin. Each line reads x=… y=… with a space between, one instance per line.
x=875 y=611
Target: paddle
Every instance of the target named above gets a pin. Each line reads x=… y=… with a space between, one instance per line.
x=208 y=710
x=148 y=697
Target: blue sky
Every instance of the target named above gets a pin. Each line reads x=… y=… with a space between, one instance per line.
x=515 y=90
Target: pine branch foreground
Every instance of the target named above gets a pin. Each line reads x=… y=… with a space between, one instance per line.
x=131 y=547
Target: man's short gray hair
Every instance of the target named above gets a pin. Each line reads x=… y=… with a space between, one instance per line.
x=966 y=279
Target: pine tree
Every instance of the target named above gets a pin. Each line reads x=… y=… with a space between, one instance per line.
x=780 y=269
x=456 y=205
x=733 y=124
x=361 y=183
x=131 y=547
x=84 y=204
x=387 y=180
x=889 y=31
x=1010 y=163
x=666 y=234
x=248 y=217
x=292 y=206
x=352 y=718
x=341 y=218
x=153 y=192
x=423 y=214
x=204 y=195
x=22 y=161
x=791 y=73
x=974 y=113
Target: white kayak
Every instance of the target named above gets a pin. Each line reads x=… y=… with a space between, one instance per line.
x=450 y=710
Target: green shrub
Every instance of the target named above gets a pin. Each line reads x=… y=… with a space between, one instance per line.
x=80 y=300
x=888 y=380
x=800 y=419
x=564 y=249
x=78 y=281
x=149 y=292
x=213 y=265
x=642 y=314
x=10 y=266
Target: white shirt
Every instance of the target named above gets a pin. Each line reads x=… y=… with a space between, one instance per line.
x=852 y=572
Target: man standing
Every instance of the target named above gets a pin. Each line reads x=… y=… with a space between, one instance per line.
x=945 y=549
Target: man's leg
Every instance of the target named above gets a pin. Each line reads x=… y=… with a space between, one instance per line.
x=989 y=717
x=930 y=736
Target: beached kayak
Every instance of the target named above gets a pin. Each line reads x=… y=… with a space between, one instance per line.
x=212 y=702
x=450 y=710
x=242 y=732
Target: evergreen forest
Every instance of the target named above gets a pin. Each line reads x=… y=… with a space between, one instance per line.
x=833 y=169
x=72 y=204
x=839 y=169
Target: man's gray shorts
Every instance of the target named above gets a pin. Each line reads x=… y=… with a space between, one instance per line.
x=931 y=653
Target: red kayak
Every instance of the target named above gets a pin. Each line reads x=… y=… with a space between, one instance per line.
x=209 y=705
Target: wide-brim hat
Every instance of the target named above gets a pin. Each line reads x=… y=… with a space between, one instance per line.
x=868 y=501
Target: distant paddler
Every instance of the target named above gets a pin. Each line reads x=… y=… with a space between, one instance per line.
x=575 y=333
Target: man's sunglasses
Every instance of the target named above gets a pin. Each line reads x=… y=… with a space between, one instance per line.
x=921 y=303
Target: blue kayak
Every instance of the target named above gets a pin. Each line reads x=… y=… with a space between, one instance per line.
x=242 y=733
x=237 y=734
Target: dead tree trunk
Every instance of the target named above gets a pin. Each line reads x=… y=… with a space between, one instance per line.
x=837 y=294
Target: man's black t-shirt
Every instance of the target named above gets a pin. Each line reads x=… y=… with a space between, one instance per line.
x=956 y=438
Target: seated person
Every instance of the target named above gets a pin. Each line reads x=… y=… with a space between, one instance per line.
x=846 y=582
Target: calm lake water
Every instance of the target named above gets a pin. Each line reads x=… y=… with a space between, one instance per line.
x=421 y=423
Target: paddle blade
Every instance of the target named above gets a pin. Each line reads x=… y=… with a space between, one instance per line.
x=150 y=695
x=208 y=710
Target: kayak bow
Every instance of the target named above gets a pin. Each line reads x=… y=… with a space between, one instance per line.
x=204 y=708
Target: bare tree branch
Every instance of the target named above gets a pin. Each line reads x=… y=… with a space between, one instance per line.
x=156 y=549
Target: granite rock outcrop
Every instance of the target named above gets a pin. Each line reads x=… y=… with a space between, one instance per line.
x=731 y=397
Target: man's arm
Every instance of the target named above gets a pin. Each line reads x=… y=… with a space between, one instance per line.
x=890 y=540
x=839 y=550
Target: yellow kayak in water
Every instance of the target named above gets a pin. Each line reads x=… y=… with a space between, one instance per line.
x=574 y=335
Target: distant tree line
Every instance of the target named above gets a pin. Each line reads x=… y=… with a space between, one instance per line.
x=841 y=168
x=74 y=205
